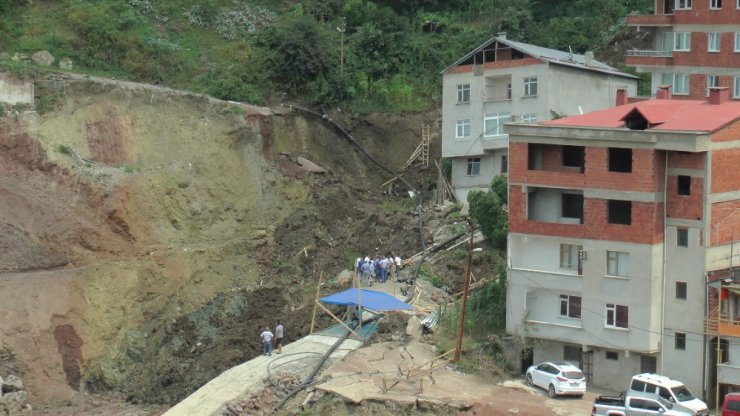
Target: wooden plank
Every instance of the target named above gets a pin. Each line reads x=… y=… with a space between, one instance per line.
x=340 y=322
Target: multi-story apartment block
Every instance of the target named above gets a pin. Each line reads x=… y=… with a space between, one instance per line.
x=619 y=222
x=695 y=46
x=502 y=81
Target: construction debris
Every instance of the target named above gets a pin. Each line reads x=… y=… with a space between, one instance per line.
x=262 y=402
x=309 y=166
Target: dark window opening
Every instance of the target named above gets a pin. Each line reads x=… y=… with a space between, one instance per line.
x=573 y=156
x=532 y=156
x=648 y=364
x=680 y=341
x=636 y=121
x=620 y=160
x=684 y=185
x=612 y=355
x=681 y=290
x=572 y=206
x=682 y=237
x=504 y=164
x=620 y=212
x=515 y=54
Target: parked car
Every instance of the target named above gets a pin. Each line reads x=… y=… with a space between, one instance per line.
x=557 y=378
x=635 y=403
x=731 y=406
x=672 y=390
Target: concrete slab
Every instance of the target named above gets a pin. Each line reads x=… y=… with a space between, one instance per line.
x=247 y=378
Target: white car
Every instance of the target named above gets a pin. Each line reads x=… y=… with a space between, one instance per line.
x=557 y=378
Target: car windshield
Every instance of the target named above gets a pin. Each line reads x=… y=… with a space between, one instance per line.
x=573 y=375
x=682 y=393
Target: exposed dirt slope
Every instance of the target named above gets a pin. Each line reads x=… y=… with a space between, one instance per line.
x=146 y=235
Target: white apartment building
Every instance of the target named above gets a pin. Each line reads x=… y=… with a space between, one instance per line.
x=503 y=81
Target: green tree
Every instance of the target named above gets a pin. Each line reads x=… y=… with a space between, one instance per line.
x=488 y=210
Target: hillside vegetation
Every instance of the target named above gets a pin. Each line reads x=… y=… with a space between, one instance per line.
x=368 y=55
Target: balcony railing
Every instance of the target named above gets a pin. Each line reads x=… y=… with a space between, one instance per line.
x=653 y=54
x=495 y=99
x=721 y=324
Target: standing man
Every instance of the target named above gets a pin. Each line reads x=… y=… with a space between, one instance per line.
x=393 y=267
x=266 y=336
x=397 y=260
x=279 y=332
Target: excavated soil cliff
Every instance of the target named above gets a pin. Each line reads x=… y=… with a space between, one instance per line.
x=147 y=234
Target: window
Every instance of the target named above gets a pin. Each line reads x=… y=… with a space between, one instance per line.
x=715 y=4
x=736 y=88
x=681 y=290
x=617 y=263
x=616 y=315
x=680 y=84
x=572 y=206
x=570 y=306
x=737 y=41
x=682 y=41
x=612 y=355
x=620 y=212
x=508 y=91
x=463 y=93
x=680 y=338
x=504 y=164
x=462 y=129
x=712 y=81
x=530 y=86
x=684 y=185
x=648 y=364
x=713 y=42
x=682 y=237
x=620 y=160
x=570 y=256
x=573 y=156
x=474 y=166
x=529 y=118
x=683 y=4
x=493 y=123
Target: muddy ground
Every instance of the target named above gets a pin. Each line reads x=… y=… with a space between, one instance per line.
x=149 y=234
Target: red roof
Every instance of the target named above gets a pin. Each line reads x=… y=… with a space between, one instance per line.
x=680 y=115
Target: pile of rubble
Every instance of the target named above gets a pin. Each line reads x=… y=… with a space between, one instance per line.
x=13 y=396
x=263 y=402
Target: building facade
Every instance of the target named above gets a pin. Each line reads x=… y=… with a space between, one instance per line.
x=617 y=220
x=695 y=46
x=504 y=81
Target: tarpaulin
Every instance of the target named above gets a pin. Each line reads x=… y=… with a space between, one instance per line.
x=369 y=299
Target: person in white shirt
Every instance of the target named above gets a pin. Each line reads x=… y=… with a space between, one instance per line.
x=398 y=266
x=266 y=337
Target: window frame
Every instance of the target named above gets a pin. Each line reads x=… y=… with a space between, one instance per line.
x=529 y=83
x=712 y=81
x=612 y=312
x=500 y=119
x=504 y=164
x=682 y=237
x=611 y=355
x=736 y=87
x=567 y=259
x=529 y=118
x=682 y=5
x=569 y=203
x=737 y=39
x=573 y=306
x=682 y=290
x=685 y=84
x=462 y=124
x=473 y=166
x=715 y=4
x=616 y=257
x=717 y=36
x=679 y=340
x=463 y=92
x=681 y=41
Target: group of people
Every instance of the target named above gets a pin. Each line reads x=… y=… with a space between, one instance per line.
x=380 y=269
x=267 y=336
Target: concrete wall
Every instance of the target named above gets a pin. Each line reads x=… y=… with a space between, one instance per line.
x=490 y=165
x=576 y=91
x=13 y=91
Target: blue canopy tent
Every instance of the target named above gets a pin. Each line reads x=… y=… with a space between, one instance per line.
x=362 y=299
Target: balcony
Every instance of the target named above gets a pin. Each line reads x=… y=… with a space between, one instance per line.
x=652 y=54
x=650 y=20
x=722 y=325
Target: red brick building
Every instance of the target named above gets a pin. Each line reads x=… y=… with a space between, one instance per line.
x=695 y=45
x=617 y=218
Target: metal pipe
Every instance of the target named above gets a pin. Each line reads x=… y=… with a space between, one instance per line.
x=463 y=302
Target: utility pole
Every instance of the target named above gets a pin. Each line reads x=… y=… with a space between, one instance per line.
x=464 y=301
x=342 y=28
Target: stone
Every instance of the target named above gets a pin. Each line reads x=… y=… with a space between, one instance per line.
x=12 y=383
x=66 y=63
x=259 y=234
x=43 y=58
x=309 y=166
x=17 y=57
x=344 y=278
